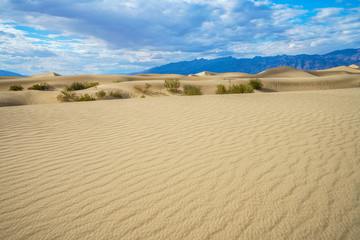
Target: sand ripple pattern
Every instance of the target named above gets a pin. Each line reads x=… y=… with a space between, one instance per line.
x=262 y=166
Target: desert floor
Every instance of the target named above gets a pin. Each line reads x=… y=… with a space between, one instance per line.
x=279 y=165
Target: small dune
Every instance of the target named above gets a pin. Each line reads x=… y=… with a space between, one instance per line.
x=50 y=74
x=284 y=72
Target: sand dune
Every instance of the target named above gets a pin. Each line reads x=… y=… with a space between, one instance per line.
x=257 y=166
x=276 y=79
x=342 y=68
x=354 y=66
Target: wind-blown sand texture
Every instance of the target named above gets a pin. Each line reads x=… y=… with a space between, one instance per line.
x=255 y=166
x=275 y=80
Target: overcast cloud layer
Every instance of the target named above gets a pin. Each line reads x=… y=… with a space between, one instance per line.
x=104 y=36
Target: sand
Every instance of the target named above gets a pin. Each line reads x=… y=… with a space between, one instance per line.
x=275 y=80
x=282 y=165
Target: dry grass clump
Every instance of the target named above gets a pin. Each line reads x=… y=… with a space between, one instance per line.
x=143 y=89
x=80 y=85
x=172 y=84
x=16 y=87
x=190 y=90
x=40 y=87
x=234 y=89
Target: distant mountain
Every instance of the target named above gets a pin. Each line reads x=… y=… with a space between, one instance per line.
x=259 y=64
x=4 y=73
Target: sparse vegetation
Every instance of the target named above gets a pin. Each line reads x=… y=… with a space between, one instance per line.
x=234 y=89
x=190 y=90
x=40 y=87
x=142 y=96
x=144 y=89
x=172 y=84
x=221 y=89
x=16 y=87
x=80 y=85
x=67 y=96
x=256 y=83
x=85 y=97
x=100 y=94
x=116 y=94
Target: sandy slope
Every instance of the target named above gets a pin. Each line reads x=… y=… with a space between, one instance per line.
x=257 y=166
x=276 y=79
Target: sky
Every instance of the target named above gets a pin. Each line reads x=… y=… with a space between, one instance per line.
x=121 y=36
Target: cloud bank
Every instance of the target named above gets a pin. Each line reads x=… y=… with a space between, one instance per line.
x=105 y=36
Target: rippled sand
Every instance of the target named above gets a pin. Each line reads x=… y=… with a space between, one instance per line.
x=258 y=166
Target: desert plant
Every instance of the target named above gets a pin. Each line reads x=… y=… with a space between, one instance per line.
x=40 y=87
x=221 y=89
x=144 y=89
x=67 y=96
x=80 y=85
x=191 y=90
x=100 y=94
x=240 y=88
x=142 y=96
x=172 y=84
x=16 y=87
x=85 y=97
x=256 y=83
x=115 y=94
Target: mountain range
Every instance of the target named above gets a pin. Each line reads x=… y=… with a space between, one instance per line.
x=4 y=73
x=259 y=64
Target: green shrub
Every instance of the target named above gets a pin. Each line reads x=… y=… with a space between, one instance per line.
x=67 y=96
x=80 y=85
x=240 y=88
x=85 y=97
x=40 y=87
x=221 y=89
x=142 y=96
x=256 y=83
x=144 y=89
x=100 y=94
x=191 y=90
x=16 y=87
x=172 y=84
x=116 y=94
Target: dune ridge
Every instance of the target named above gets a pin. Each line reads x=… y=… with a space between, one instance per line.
x=259 y=166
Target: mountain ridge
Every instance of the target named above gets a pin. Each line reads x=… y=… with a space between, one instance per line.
x=258 y=64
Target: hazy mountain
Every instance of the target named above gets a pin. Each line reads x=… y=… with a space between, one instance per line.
x=259 y=64
x=4 y=73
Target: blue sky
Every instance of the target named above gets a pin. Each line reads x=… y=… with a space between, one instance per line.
x=107 y=36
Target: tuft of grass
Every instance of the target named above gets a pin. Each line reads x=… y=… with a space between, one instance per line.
x=172 y=84
x=80 y=85
x=66 y=96
x=115 y=94
x=142 y=96
x=190 y=90
x=256 y=83
x=100 y=94
x=221 y=89
x=40 y=87
x=240 y=88
x=85 y=97
x=16 y=87
x=144 y=89
x=234 y=89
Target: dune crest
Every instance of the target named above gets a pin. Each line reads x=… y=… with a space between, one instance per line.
x=284 y=72
x=50 y=74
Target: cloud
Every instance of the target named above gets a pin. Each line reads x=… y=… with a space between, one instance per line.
x=100 y=36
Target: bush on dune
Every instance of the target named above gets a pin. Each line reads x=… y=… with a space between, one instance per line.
x=80 y=85
x=172 y=84
x=190 y=90
x=234 y=89
x=85 y=97
x=144 y=89
x=16 y=87
x=40 y=87
x=256 y=83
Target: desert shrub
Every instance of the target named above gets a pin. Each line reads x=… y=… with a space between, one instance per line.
x=172 y=84
x=256 y=83
x=40 y=87
x=85 y=97
x=80 y=85
x=240 y=88
x=67 y=96
x=16 y=87
x=142 y=96
x=144 y=89
x=100 y=94
x=221 y=89
x=191 y=90
x=115 y=94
